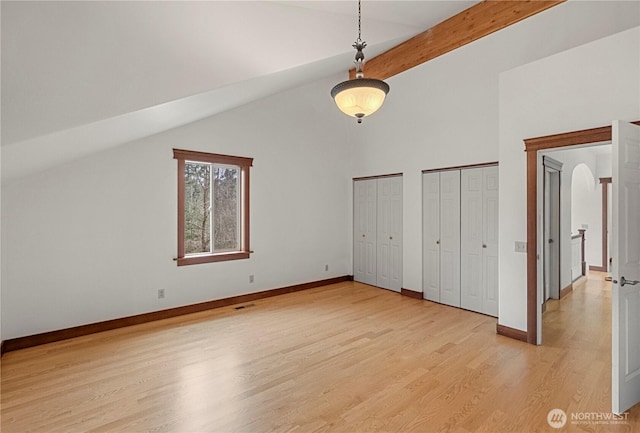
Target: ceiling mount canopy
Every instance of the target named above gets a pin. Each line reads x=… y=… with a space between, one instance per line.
x=361 y=96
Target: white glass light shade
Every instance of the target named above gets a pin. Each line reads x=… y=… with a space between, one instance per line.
x=360 y=97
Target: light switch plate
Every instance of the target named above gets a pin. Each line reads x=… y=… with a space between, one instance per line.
x=521 y=247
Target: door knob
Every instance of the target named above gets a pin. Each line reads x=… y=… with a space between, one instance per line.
x=438 y=242
x=484 y=245
x=550 y=241
x=362 y=235
x=391 y=237
x=624 y=281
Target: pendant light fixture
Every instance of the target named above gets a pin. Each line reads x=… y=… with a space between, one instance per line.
x=361 y=96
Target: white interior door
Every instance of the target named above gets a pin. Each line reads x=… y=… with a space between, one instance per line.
x=431 y=236
x=385 y=215
x=364 y=231
x=551 y=233
x=389 y=241
x=395 y=243
x=490 y=242
x=625 y=389
x=555 y=240
x=546 y=229
x=471 y=238
x=450 y=237
x=609 y=220
x=479 y=240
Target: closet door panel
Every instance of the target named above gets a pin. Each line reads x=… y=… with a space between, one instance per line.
x=359 y=224
x=389 y=240
x=450 y=237
x=395 y=243
x=385 y=218
x=460 y=238
x=431 y=236
x=490 y=239
x=471 y=235
x=365 y=237
x=377 y=232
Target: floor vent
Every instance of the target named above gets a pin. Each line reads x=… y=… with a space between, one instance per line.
x=241 y=307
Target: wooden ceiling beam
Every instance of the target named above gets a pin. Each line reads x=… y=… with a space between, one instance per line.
x=478 y=21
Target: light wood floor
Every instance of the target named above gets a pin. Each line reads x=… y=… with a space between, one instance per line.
x=340 y=358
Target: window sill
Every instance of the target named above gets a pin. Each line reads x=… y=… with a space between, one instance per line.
x=210 y=258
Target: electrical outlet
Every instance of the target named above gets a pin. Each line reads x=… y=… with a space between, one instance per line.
x=250 y=278
x=521 y=247
x=326 y=268
x=160 y=293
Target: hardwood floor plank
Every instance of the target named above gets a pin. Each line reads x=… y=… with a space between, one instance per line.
x=344 y=357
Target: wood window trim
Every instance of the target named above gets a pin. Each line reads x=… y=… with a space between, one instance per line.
x=245 y=164
x=532 y=146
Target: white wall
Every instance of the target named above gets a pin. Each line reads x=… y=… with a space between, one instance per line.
x=586 y=203
x=581 y=88
x=446 y=113
x=95 y=239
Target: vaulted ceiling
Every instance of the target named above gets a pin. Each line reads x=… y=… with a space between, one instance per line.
x=78 y=77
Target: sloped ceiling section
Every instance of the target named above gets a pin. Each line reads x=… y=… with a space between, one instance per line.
x=78 y=77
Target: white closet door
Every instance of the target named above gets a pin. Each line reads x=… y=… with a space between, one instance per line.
x=385 y=218
x=450 y=237
x=389 y=257
x=364 y=232
x=471 y=238
x=383 y=257
x=490 y=242
x=431 y=236
x=395 y=244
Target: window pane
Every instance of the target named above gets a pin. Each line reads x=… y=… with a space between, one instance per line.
x=226 y=215
x=197 y=208
x=212 y=193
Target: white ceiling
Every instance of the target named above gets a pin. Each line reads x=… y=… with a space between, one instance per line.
x=106 y=73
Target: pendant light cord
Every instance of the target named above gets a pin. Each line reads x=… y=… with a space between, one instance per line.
x=359 y=21
x=359 y=46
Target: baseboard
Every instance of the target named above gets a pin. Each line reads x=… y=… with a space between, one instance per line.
x=92 y=328
x=1 y=348
x=411 y=293
x=544 y=307
x=516 y=334
x=597 y=268
x=564 y=292
x=582 y=279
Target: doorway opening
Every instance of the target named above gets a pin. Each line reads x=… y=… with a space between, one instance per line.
x=551 y=228
x=571 y=237
x=625 y=138
x=534 y=148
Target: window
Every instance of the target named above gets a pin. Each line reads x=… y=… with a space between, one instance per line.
x=213 y=207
